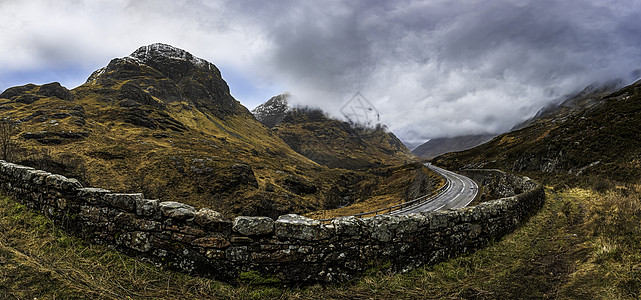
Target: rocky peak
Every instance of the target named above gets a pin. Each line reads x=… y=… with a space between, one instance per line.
x=173 y=62
x=171 y=74
x=273 y=111
x=158 y=52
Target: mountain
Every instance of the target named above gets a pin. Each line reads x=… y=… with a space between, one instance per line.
x=588 y=97
x=163 y=122
x=272 y=112
x=594 y=141
x=331 y=142
x=438 y=146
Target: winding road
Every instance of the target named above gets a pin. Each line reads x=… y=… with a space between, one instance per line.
x=459 y=193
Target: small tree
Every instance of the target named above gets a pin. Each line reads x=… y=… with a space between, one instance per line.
x=8 y=129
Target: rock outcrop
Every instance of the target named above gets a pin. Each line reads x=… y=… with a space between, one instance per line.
x=272 y=112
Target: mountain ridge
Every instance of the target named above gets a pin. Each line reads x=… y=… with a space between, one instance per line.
x=438 y=146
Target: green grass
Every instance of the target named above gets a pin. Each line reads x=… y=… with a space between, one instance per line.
x=582 y=244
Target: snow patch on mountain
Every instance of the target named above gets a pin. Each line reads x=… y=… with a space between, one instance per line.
x=273 y=111
x=145 y=53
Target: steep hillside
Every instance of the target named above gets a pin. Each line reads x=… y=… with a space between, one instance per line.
x=600 y=140
x=331 y=142
x=438 y=146
x=588 y=97
x=162 y=121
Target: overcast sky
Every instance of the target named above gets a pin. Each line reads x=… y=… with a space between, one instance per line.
x=432 y=68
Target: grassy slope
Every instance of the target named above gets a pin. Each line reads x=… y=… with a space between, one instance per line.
x=582 y=244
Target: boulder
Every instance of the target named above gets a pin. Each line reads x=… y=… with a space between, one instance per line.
x=253 y=225
x=177 y=210
x=302 y=228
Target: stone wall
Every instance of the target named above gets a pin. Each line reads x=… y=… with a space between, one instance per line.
x=291 y=248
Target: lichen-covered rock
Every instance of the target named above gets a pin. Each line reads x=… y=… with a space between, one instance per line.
x=92 y=214
x=439 y=221
x=348 y=226
x=253 y=225
x=22 y=171
x=407 y=224
x=279 y=256
x=238 y=253
x=148 y=208
x=92 y=195
x=177 y=210
x=302 y=228
x=211 y=220
x=148 y=225
x=138 y=241
x=62 y=183
x=475 y=231
x=123 y=201
x=382 y=227
x=37 y=177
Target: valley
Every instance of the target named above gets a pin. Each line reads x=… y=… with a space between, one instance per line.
x=162 y=122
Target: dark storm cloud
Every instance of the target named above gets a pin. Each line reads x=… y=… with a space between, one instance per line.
x=432 y=68
x=439 y=68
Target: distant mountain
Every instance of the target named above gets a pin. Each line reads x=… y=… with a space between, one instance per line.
x=598 y=137
x=331 y=142
x=272 y=112
x=438 y=146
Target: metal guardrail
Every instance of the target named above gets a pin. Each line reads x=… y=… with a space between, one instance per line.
x=417 y=201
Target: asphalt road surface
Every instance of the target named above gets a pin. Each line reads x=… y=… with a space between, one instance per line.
x=460 y=192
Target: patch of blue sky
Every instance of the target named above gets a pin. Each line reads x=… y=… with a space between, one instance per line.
x=247 y=89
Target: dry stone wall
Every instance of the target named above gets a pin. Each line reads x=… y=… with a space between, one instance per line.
x=292 y=248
